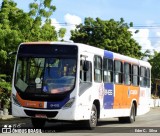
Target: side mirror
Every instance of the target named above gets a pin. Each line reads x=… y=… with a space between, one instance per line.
x=12 y=53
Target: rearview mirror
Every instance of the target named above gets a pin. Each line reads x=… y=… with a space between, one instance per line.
x=12 y=53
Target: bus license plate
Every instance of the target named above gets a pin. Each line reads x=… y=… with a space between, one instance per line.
x=40 y=116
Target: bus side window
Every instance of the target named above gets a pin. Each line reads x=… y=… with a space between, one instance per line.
x=118 y=69
x=127 y=73
x=85 y=74
x=148 y=77
x=135 y=75
x=107 y=70
x=97 y=69
x=143 y=79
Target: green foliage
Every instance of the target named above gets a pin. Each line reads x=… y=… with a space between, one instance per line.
x=154 y=61
x=110 y=35
x=17 y=26
x=41 y=8
x=5 y=91
x=61 y=33
x=3 y=54
x=47 y=33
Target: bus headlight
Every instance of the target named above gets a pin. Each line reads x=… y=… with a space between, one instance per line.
x=69 y=103
x=15 y=101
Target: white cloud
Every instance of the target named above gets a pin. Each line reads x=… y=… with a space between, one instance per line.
x=55 y=23
x=148 y=38
x=70 y=22
x=157 y=46
x=72 y=19
x=142 y=37
x=157 y=40
x=158 y=34
x=155 y=37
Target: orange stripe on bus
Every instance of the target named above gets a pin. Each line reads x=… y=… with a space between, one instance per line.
x=124 y=95
x=29 y=104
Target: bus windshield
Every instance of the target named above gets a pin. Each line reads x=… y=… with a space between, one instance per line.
x=47 y=75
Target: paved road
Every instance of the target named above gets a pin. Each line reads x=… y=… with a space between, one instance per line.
x=149 y=122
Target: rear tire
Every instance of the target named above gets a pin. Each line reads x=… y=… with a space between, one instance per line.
x=38 y=123
x=132 y=117
x=129 y=119
x=92 y=122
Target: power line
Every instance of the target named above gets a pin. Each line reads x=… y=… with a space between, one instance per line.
x=65 y=24
x=148 y=37
x=154 y=26
x=146 y=26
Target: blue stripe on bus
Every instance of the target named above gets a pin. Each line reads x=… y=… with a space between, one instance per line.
x=108 y=100
x=58 y=104
x=108 y=54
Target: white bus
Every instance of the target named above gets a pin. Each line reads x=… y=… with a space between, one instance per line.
x=78 y=82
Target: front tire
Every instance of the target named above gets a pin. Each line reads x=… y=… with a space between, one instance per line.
x=92 y=122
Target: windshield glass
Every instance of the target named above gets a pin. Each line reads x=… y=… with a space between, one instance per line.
x=47 y=75
x=50 y=75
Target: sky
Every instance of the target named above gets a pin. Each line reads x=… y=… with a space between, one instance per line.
x=145 y=15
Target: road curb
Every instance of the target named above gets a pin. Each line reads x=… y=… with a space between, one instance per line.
x=6 y=117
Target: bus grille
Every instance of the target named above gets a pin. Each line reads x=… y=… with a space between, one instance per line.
x=47 y=113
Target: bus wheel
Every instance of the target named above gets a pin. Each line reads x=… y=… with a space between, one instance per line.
x=38 y=123
x=92 y=122
x=132 y=117
x=129 y=119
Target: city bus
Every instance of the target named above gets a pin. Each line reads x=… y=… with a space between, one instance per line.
x=65 y=81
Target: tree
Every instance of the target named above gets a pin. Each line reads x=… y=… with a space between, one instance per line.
x=5 y=92
x=61 y=33
x=155 y=74
x=10 y=36
x=155 y=63
x=17 y=26
x=41 y=10
x=110 y=35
